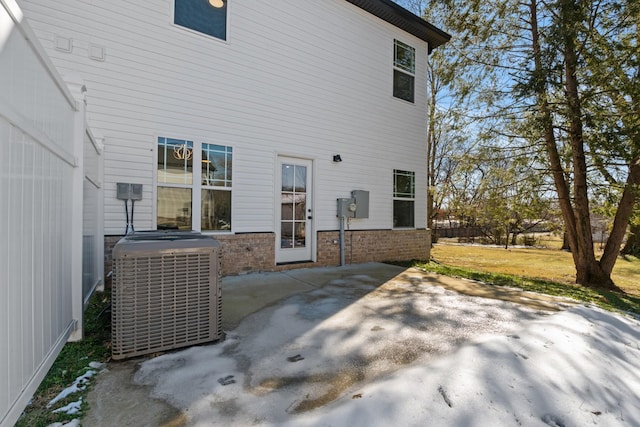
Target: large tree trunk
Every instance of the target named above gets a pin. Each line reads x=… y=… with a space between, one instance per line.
x=632 y=246
x=624 y=212
x=565 y=242
x=576 y=216
x=588 y=270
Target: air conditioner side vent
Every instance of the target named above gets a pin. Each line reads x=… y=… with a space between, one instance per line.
x=165 y=295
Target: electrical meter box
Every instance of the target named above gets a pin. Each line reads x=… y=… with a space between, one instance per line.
x=136 y=191
x=355 y=207
x=123 y=191
x=346 y=208
x=361 y=199
x=126 y=191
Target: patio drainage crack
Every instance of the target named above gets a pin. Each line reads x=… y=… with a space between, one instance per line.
x=313 y=285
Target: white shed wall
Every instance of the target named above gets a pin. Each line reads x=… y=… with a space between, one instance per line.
x=306 y=79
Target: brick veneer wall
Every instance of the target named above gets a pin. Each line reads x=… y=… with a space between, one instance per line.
x=254 y=252
x=245 y=253
x=109 y=243
x=241 y=253
x=374 y=245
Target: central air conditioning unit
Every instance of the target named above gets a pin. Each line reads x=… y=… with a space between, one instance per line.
x=165 y=292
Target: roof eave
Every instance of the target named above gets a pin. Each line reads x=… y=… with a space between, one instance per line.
x=400 y=17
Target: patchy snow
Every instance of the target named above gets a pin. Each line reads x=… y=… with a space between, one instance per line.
x=98 y=366
x=72 y=423
x=79 y=384
x=72 y=408
x=408 y=355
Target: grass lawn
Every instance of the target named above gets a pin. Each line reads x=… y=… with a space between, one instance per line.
x=543 y=270
x=546 y=264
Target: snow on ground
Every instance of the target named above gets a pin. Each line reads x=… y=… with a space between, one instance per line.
x=72 y=423
x=409 y=356
x=71 y=408
x=576 y=368
x=79 y=384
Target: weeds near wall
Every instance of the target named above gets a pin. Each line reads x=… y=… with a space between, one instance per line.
x=72 y=363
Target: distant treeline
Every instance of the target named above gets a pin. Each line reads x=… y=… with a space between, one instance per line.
x=475 y=231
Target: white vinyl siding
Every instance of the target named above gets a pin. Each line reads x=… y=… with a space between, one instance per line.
x=300 y=79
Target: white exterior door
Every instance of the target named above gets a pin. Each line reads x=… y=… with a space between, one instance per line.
x=293 y=210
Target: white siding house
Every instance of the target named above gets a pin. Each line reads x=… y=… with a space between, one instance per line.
x=235 y=132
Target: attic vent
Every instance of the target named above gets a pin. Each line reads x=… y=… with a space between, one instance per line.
x=166 y=293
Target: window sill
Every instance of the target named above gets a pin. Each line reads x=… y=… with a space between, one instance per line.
x=404 y=101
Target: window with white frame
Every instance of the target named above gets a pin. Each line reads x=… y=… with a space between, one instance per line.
x=185 y=202
x=404 y=196
x=404 y=71
x=205 y=16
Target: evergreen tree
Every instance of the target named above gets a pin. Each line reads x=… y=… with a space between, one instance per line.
x=563 y=76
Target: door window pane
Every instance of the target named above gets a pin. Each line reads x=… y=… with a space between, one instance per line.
x=286 y=207
x=287 y=177
x=174 y=208
x=301 y=178
x=301 y=207
x=300 y=239
x=215 y=208
x=286 y=235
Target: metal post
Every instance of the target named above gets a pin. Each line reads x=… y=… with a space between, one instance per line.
x=342 y=241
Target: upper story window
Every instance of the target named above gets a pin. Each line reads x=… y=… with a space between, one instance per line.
x=404 y=196
x=205 y=16
x=404 y=71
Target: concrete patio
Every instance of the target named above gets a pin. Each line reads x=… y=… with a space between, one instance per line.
x=309 y=337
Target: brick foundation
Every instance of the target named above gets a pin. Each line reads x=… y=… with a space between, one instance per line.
x=247 y=253
x=255 y=252
x=109 y=243
x=374 y=245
